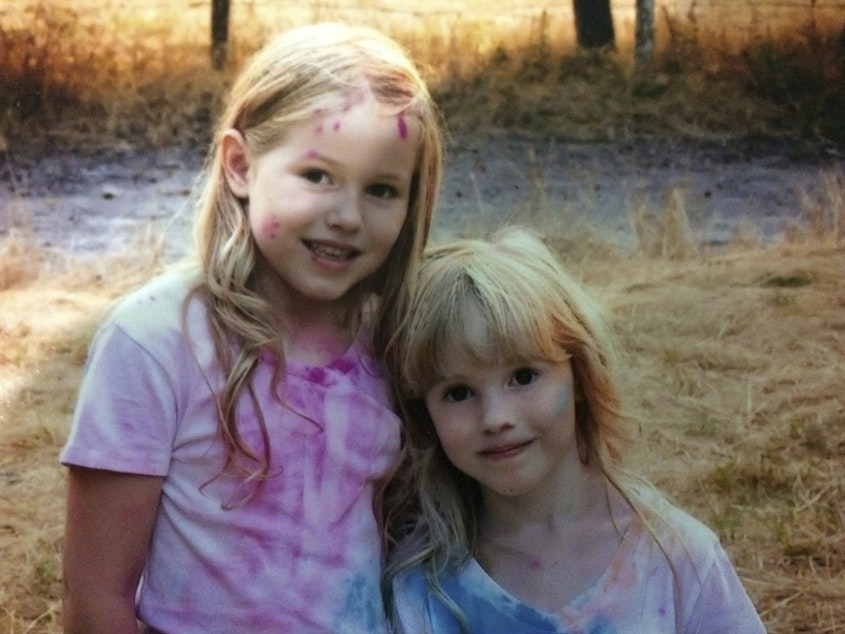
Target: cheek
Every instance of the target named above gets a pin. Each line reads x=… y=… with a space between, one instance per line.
x=564 y=401
x=270 y=229
x=387 y=228
x=447 y=431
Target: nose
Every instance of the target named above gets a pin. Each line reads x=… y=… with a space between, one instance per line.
x=496 y=415
x=346 y=214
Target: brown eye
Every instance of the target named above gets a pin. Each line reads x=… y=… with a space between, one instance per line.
x=382 y=191
x=456 y=394
x=316 y=176
x=524 y=376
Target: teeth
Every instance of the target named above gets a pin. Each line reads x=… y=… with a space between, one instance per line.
x=334 y=253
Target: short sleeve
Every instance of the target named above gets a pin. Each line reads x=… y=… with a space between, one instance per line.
x=723 y=606
x=125 y=417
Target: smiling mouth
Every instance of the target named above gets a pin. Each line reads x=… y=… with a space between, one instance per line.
x=331 y=252
x=505 y=451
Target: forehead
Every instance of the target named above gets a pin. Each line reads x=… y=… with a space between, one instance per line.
x=476 y=339
x=360 y=103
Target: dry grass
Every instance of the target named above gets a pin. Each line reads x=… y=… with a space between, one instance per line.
x=49 y=310
x=137 y=72
x=736 y=356
x=736 y=360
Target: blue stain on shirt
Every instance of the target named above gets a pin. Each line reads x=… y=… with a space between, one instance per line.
x=487 y=608
x=601 y=624
x=360 y=607
x=488 y=612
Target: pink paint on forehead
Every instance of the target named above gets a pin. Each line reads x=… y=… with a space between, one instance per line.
x=403 y=127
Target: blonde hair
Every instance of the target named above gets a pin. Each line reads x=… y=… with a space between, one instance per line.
x=533 y=309
x=294 y=77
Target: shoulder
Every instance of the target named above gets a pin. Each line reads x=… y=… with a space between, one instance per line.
x=151 y=322
x=160 y=301
x=679 y=534
x=712 y=596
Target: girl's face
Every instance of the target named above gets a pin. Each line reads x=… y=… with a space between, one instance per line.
x=327 y=204
x=509 y=426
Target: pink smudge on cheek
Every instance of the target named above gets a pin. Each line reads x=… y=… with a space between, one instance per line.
x=535 y=564
x=403 y=127
x=271 y=229
x=336 y=126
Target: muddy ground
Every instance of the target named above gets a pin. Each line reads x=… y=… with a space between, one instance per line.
x=85 y=203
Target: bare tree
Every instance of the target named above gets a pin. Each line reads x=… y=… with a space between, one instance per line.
x=219 y=32
x=594 y=23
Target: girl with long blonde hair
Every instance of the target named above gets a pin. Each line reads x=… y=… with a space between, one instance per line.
x=235 y=416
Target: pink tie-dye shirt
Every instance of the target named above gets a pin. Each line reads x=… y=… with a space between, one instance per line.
x=303 y=554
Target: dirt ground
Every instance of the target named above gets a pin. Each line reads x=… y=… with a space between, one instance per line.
x=92 y=202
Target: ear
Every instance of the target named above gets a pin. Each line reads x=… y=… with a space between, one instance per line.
x=235 y=162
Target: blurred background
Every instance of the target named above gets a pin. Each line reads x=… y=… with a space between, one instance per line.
x=89 y=72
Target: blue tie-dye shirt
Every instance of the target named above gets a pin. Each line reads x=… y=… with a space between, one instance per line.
x=640 y=592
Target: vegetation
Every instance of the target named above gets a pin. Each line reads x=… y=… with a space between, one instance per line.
x=737 y=353
x=89 y=73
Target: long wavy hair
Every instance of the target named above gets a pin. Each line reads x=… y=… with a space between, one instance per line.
x=302 y=72
x=533 y=309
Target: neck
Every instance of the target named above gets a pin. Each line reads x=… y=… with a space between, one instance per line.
x=578 y=497
x=548 y=554
x=313 y=332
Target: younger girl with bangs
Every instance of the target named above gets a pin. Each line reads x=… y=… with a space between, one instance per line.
x=522 y=517
x=235 y=416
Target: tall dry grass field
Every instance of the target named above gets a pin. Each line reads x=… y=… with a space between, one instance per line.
x=735 y=359
x=136 y=72
x=736 y=355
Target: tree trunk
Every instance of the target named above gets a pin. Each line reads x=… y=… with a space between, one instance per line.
x=644 y=36
x=593 y=23
x=219 y=32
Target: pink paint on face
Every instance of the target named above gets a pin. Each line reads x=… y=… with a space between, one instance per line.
x=271 y=228
x=337 y=126
x=535 y=564
x=403 y=127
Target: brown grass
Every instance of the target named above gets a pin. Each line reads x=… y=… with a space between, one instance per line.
x=133 y=73
x=736 y=360
x=736 y=356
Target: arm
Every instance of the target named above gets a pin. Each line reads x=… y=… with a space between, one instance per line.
x=109 y=523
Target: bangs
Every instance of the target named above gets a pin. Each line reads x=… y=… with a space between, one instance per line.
x=483 y=318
